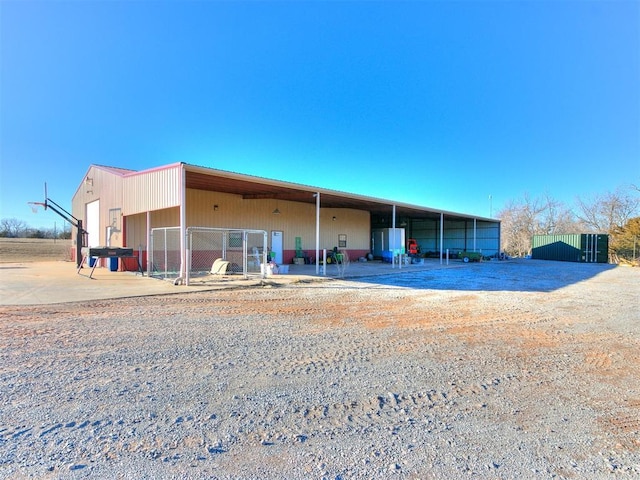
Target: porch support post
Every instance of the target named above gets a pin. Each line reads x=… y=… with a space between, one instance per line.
x=317 y=195
x=148 y=243
x=395 y=239
x=474 y=233
x=183 y=222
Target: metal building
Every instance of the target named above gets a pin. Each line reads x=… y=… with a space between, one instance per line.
x=579 y=247
x=120 y=207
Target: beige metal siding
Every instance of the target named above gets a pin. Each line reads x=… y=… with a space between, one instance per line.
x=137 y=225
x=158 y=191
x=295 y=219
x=105 y=186
x=137 y=230
x=152 y=190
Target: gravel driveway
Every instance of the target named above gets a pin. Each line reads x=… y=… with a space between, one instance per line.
x=518 y=369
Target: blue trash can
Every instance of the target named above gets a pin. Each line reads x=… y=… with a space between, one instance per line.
x=92 y=261
x=113 y=264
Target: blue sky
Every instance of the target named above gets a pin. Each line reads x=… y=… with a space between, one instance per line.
x=439 y=104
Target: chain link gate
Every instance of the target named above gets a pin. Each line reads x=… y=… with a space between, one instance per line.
x=164 y=253
x=244 y=251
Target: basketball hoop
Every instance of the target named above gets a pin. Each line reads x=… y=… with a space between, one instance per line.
x=75 y=222
x=35 y=205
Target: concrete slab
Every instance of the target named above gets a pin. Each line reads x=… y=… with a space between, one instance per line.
x=58 y=282
x=37 y=283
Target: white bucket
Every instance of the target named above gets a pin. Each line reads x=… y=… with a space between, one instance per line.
x=267 y=269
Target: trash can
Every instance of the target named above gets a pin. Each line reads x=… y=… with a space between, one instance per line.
x=113 y=264
x=92 y=261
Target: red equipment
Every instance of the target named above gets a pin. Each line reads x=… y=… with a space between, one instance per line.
x=412 y=247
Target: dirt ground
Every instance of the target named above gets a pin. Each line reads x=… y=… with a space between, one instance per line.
x=524 y=369
x=34 y=250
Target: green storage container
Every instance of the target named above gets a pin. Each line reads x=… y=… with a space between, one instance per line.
x=579 y=247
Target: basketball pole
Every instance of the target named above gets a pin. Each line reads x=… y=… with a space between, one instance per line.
x=76 y=222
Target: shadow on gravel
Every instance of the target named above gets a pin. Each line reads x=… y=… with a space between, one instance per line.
x=516 y=275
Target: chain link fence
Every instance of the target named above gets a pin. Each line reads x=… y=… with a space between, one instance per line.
x=210 y=253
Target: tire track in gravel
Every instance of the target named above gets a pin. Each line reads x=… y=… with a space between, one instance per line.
x=321 y=381
x=189 y=438
x=281 y=422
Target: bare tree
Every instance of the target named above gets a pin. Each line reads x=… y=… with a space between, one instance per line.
x=557 y=218
x=610 y=212
x=516 y=240
x=12 y=227
x=522 y=219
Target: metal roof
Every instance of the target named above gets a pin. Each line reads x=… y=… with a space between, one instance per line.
x=251 y=187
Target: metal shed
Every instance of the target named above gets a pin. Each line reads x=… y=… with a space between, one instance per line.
x=126 y=205
x=578 y=247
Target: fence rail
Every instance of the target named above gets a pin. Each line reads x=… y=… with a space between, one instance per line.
x=243 y=252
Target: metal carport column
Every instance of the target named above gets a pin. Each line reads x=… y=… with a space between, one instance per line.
x=317 y=195
x=441 y=235
x=183 y=223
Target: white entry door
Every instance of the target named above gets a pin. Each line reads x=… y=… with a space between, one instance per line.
x=92 y=224
x=276 y=245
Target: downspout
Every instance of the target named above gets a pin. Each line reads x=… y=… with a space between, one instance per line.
x=317 y=195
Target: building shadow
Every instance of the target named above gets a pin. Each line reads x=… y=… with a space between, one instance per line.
x=513 y=275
